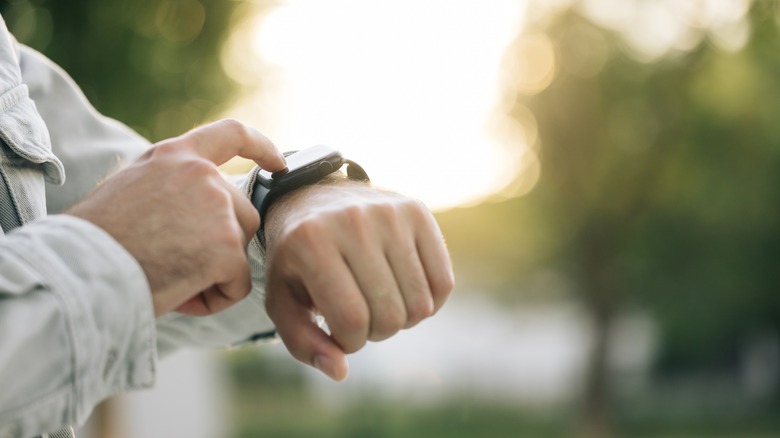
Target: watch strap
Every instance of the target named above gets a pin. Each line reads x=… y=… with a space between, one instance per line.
x=263 y=197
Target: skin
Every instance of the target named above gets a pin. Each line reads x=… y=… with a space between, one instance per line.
x=371 y=262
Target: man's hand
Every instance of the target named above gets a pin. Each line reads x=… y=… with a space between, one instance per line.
x=187 y=227
x=369 y=261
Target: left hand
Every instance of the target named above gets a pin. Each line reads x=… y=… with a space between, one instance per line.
x=184 y=224
x=370 y=262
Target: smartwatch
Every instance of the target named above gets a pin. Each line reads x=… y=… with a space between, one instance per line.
x=304 y=167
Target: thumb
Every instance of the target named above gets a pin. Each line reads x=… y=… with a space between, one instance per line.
x=303 y=337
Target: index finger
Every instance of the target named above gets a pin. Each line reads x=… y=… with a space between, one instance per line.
x=220 y=141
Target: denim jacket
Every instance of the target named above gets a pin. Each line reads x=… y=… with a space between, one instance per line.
x=76 y=317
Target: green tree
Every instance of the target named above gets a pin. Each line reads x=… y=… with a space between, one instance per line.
x=659 y=190
x=665 y=178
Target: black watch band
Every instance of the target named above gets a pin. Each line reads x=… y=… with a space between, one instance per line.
x=324 y=162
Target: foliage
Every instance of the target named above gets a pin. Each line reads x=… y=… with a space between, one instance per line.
x=287 y=411
x=659 y=190
x=153 y=64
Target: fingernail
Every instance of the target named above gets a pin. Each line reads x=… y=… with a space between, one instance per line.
x=329 y=367
x=324 y=364
x=281 y=156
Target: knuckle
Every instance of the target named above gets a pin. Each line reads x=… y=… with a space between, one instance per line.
x=234 y=237
x=387 y=214
x=166 y=148
x=352 y=346
x=231 y=235
x=447 y=283
x=358 y=226
x=354 y=322
x=231 y=123
x=387 y=325
x=383 y=209
x=305 y=233
x=419 y=311
x=216 y=196
x=417 y=210
x=245 y=289
x=353 y=215
x=378 y=208
x=224 y=228
x=199 y=167
x=350 y=331
x=442 y=286
x=187 y=172
x=237 y=127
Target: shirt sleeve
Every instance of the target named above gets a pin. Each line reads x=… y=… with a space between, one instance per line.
x=76 y=324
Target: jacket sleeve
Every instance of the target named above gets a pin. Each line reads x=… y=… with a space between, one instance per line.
x=90 y=146
x=75 y=324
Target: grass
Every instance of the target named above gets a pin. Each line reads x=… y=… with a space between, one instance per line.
x=271 y=401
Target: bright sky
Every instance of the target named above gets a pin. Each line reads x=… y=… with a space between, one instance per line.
x=408 y=88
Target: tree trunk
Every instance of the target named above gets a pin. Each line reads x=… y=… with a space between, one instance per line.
x=601 y=299
x=597 y=420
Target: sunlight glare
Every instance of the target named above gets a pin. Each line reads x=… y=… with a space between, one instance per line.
x=532 y=68
x=406 y=88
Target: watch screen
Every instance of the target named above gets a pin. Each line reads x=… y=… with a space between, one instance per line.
x=303 y=158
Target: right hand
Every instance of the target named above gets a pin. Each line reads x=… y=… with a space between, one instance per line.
x=186 y=226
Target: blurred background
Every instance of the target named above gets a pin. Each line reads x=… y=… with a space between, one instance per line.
x=606 y=173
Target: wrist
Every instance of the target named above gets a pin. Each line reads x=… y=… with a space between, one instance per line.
x=311 y=166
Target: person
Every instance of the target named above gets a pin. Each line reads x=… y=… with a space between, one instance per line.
x=115 y=252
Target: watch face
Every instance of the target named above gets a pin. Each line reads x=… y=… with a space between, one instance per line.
x=303 y=167
x=307 y=166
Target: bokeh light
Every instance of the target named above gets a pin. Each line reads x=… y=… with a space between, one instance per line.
x=652 y=29
x=406 y=88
